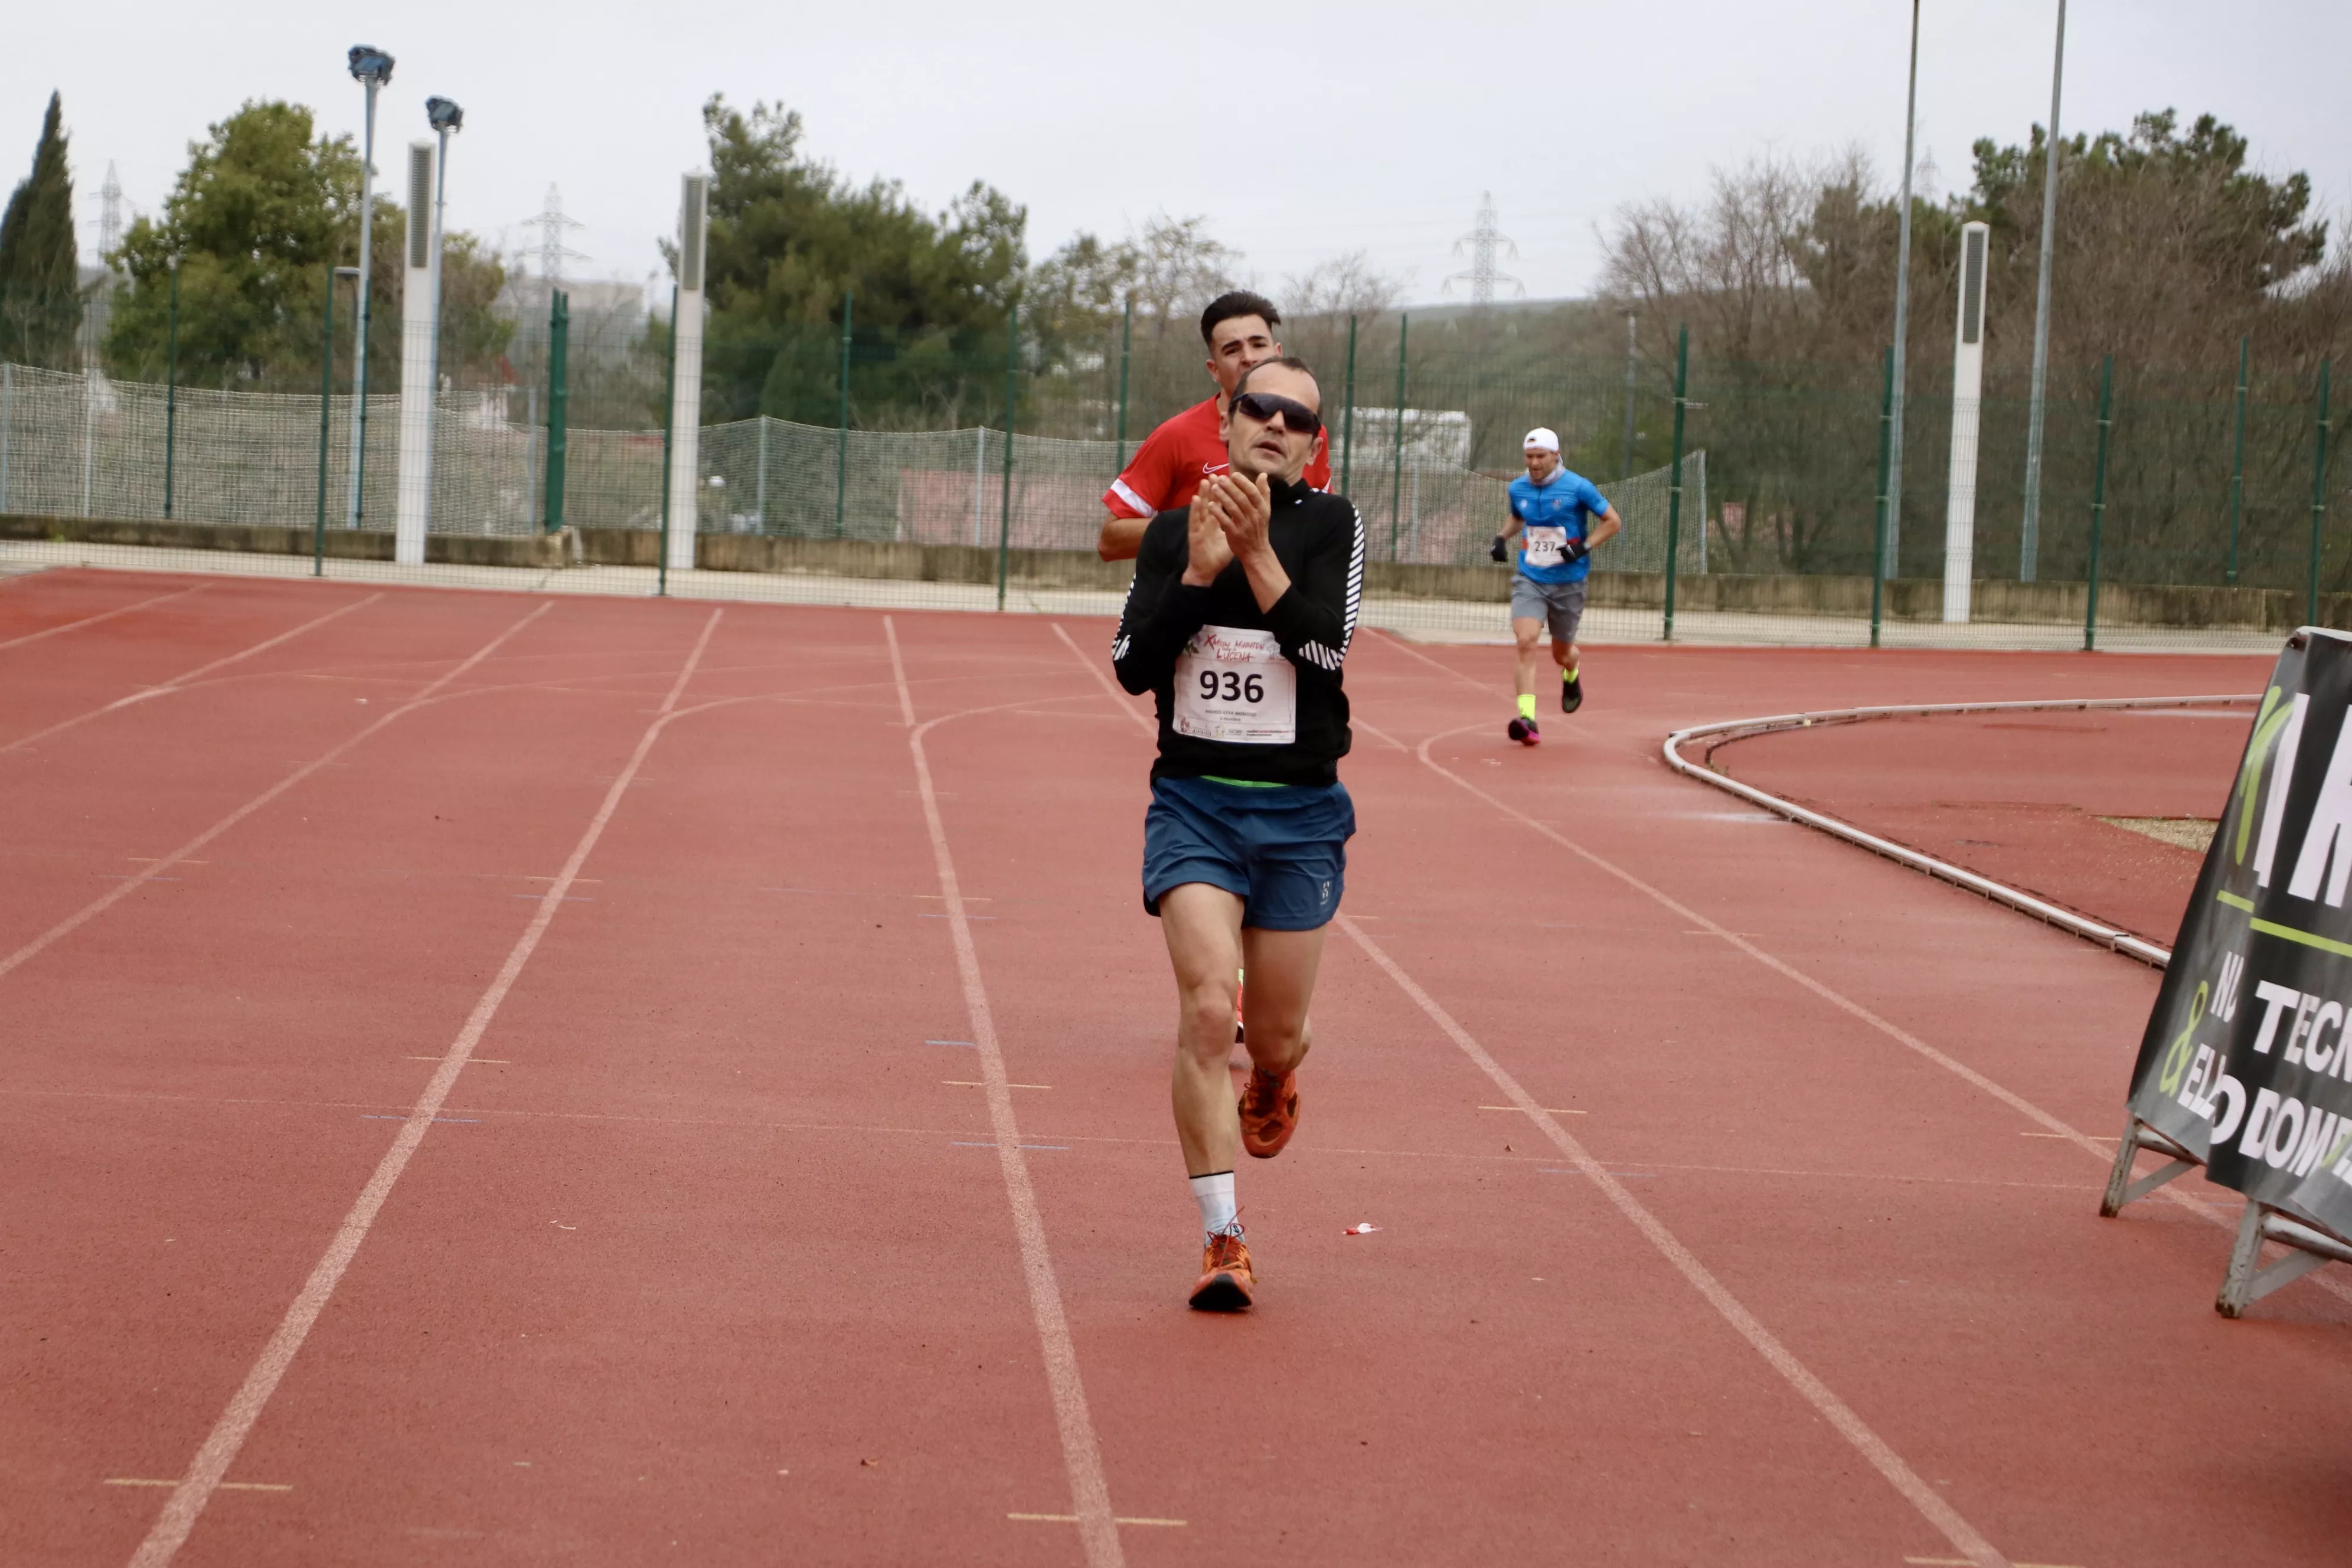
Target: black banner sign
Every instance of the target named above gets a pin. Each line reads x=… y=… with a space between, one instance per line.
x=2247 y=1060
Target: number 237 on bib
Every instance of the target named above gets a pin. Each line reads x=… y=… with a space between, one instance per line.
x=1234 y=685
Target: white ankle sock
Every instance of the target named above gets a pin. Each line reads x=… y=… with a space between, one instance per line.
x=1214 y=1193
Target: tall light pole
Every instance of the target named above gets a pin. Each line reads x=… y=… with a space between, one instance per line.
x=371 y=67
x=446 y=117
x=1893 y=547
x=2029 y=541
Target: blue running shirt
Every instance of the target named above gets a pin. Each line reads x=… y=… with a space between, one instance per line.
x=1554 y=514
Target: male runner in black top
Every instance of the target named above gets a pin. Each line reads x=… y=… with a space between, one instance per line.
x=1238 y=623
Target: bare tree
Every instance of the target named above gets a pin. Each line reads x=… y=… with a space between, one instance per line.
x=1345 y=285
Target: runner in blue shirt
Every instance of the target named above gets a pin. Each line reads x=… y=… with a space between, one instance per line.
x=1562 y=519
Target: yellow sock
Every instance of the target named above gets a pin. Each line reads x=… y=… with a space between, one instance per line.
x=1528 y=707
x=1569 y=674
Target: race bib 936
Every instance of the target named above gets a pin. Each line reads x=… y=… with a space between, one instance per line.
x=1234 y=685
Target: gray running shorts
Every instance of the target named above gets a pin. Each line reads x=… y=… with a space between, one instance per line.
x=1561 y=603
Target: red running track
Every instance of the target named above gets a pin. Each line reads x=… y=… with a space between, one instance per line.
x=710 y=1253
x=2021 y=797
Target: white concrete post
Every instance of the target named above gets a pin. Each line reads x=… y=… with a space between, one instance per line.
x=413 y=503
x=686 y=385
x=1967 y=396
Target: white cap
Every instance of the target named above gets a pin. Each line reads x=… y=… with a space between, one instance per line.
x=1543 y=439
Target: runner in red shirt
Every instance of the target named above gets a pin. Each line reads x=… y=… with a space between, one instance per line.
x=1168 y=468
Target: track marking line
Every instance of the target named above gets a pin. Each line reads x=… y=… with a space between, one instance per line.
x=2339 y=1288
x=1874 y=1448
x=245 y=1406
x=974 y=1083
x=2061 y=1138
x=472 y=1061
x=1073 y=1422
x=1547 y=1110
x=144 y=693
x=223 y=1486
x=1073 y=1518
x=104 y=615
x=1963 y=1563
x=98 y=907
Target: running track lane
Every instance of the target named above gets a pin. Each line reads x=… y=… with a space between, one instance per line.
x=1956 y=1531
x=1848 y=966
x=174 y=636
x=211 y=1463
x=160 y=1046
x=736 y=1227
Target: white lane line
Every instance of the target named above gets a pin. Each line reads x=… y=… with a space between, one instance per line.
x=98 y=907
x=104 y=615
x=1081 y=1452
x=1835 y=1410
x=201 y=670
x=2058 y=1129
x=245 y=1406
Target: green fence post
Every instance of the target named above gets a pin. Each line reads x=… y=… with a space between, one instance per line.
x=2318 y=500
x=1348 y=424
x=1012 y=388
x=171 y=387
x=760 y=486
x=669 y=395
x=2099 y=501
x=1878 y=514
x=1396 y=476
x=1126 y=343
x=326 y=421
x=558 y=398
x=841 y=441
x=1674 y=480
x=2238 y=461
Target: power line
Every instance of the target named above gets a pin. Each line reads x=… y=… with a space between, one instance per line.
x=552 y=252
x=1485 y=241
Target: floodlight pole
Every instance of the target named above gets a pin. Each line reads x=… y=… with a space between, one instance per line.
x=172 y=386
x=2029 y=538
x=354 y=503
x=1894 y=546
x=440 y=195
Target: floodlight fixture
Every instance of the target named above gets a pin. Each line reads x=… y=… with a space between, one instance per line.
x=444 y=114
x=370 y=65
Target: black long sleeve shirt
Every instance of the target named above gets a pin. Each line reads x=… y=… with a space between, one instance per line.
x=1319 y=540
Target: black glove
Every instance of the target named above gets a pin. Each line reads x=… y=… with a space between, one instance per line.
x=1574 y=553
x=1502 y=550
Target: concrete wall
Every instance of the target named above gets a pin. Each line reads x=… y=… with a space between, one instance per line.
x=342 y=543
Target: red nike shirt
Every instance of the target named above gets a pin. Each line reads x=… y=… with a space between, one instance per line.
x=1167 y=469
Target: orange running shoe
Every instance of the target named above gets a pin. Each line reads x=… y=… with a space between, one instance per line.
x=1269 y=1112
x=1226 y=1281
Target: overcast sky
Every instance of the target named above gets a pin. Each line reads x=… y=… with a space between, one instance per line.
x=1300 y=132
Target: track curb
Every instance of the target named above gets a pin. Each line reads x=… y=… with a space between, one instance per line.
x=1728 y=731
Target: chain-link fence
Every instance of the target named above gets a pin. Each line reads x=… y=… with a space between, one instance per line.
x=2211 y=500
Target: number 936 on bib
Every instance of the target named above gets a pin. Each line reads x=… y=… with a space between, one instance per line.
x=1233 y=685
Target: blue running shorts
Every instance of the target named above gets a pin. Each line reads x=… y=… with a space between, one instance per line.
x=1282 y=851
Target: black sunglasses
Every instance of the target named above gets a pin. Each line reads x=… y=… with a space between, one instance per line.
x=1262 y=406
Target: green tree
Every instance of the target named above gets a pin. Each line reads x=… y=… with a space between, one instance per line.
x=789 y=237
x=263 y=209
x=2168 y=248
x=40 y=299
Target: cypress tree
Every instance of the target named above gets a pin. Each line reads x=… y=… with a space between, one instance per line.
x=40 y=304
